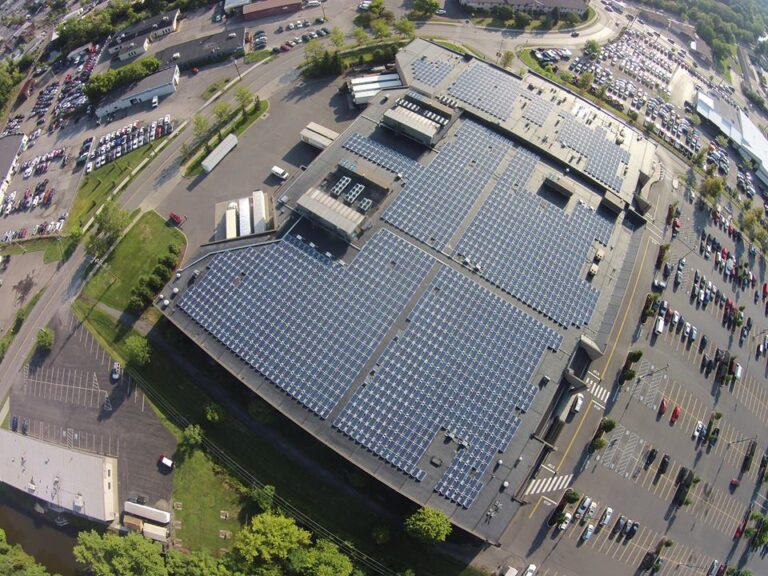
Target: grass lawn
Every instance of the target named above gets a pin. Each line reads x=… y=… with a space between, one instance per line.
x=97 y=186
x=460 y=48
x=214 y=87
x=134 y=256
x=195 y=167
x=203 y=494
x=258 y=56
x=55 y=249
x=341 y=512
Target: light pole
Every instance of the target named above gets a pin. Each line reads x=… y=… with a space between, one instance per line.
x=239 y=76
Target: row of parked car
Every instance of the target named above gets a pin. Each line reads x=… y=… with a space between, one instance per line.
x=42 y=229
x=128 y=138
x=40 y=196
x=586 y=511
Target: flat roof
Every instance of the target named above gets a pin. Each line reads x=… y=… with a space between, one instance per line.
x=552 y=120
x=159 y=78
x=414 y=121
x=332 y=211
x=9 y=148
x=230 y=4
x=79 y=482
x=453 y=232
x=204 y=47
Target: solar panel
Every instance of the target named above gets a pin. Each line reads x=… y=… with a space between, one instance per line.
x=604 y=157
x=381 y=155
x=305 y=322
x=537 y=110
x=487 y=89
x=463 y=365
x=436 y=200
x=532 y=249
x=431 y=72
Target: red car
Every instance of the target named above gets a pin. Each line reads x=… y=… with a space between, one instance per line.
x=663 y=406
x=675 y=415
x=175 y=218
x=724 y=254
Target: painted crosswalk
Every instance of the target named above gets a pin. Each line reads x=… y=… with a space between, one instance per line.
x=599 y=392
x=549 y=484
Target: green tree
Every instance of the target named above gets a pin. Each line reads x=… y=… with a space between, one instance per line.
x=585 y=80
x=425 y=7
x=113 y=555
x=565 y=76
x=507 y=57
x=428 y=525
x=634 y=356
x=607 y=424
x=313 y=51
x=571 y=496
x=598 y=444
x=722 y=140
x=192 y=435
x=572 y=19
x=360 y=35
x=213 y=412
x=337 y=37
x=591 y=47
x=138 y=350
x=405 y=27
x=244 y=98
x=221 y=111
x=712 y=188
x=380 y=29
x=112 y=220
x=522 y=19
x=264 y=497
x=44 y=339
x=266 y=538
x=200 y=126
x=322 y=559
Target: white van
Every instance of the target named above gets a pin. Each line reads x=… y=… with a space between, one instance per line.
x=155 y=101
x=312 y=4
x=279 y=172
x=659 y=325
x=737 y=371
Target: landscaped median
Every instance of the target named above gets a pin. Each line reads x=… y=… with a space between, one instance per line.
x=237 y=124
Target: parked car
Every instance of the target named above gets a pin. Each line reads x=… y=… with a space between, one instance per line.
x=566 y=520
x=583 y=507
x=115 y=373
x=606 y=517
x=588 y=532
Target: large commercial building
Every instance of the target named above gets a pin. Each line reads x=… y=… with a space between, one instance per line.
x=208 y=49
x=733 y=123
x=162 y=83
x=419 y=316
x=67 y=480
x=10 y=148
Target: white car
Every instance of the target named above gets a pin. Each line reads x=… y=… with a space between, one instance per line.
x=687 y=329
x=578 y=402
x=530 y=571
x=699 y=429
x=566 y=520
x=675 y=318
x=588 y=532
x=591 y=512
x=607 y=515
x=585 y=503
x=88 y=167
x=441 y=12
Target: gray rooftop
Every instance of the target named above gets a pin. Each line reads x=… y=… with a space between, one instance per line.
x=159 y=78
x=78 y=482
x=9 y=147
x=203 y=48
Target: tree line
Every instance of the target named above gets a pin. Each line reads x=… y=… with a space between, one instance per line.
x=102 y=84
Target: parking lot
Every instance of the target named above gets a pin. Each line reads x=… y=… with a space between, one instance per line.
x=686 y=457
x=69 y=397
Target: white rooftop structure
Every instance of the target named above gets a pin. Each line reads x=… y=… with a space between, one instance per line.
x=736 y=125
x=331 y=212
x=77 y=482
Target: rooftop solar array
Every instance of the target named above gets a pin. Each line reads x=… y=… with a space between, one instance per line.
x=603 y=156
x=532 y=249
x=306 y=323
x=487 y=89
x=537 y=110
x=433 y=204
x=464 y=365
x=381 y=155
x=431 y=72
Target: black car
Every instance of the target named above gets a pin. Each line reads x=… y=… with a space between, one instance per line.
x=664 y=464
x=633 y=530
x=713 y=437
x=651 y=456
x=14 y=423
x=619 y=526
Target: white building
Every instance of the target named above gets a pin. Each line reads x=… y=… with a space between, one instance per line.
x=132 y=49
x=159 y=84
